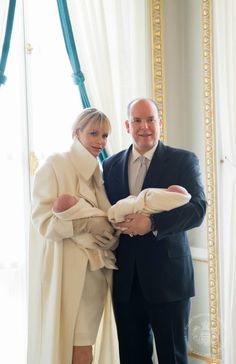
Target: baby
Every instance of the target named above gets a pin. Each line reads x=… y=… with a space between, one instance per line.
x=64 y=202
x=80 y=211
x=149 y=201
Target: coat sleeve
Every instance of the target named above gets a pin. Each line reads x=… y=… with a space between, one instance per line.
x=45 y=191
x=190 y=215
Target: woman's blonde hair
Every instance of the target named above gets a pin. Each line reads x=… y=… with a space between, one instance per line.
x=93 y=116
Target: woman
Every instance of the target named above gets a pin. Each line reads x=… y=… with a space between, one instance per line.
x=67 y=298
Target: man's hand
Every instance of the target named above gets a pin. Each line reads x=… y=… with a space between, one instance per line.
x=135 y=224
x=94 y=225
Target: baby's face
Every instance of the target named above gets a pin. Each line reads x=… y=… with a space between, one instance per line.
x=64 y=202
x=178 y=189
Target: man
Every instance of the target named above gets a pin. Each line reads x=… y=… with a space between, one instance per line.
x=154 y=282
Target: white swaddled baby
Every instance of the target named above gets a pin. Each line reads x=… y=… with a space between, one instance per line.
x=149 y=201
x=69 y=207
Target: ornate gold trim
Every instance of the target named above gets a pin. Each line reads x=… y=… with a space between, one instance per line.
x=34 y=163
x=157 y=53
x=210 y=165
x=200 y=260
x=28 y=48
x=158 y=77
x=205 y=359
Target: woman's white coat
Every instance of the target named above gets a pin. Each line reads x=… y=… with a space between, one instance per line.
x=57 y=268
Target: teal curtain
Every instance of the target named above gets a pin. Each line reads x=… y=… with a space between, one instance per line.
x=103 y=155
x=7 y=40
x=77 y=74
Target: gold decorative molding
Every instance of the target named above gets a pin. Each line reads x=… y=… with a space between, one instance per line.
x=28 y=48
x=34 y=163
x=210 y=165
x=157 y=44
x=157 y=53
x=200 y=260
x=204 y=358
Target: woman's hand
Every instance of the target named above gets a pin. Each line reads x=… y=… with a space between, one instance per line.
x=107 y=241
x=93 y=225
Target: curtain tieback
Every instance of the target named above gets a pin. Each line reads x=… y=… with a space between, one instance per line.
x=2 y=78
x=78 y=78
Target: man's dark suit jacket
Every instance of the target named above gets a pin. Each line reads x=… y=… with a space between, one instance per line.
x=164 y=263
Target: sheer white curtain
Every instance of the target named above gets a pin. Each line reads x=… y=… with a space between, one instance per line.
x=14 y=187
x=38 y=104
x=3 y=17
x=225 y=72
x=113 y=44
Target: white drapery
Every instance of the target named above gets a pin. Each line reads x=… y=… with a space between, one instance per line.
x=225 y=72
x=38 y=103
x=14 y=200
x=113 y=43
x=3 y=18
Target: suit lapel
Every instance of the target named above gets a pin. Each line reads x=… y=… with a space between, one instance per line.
x=125 y=179
x=155 y=173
